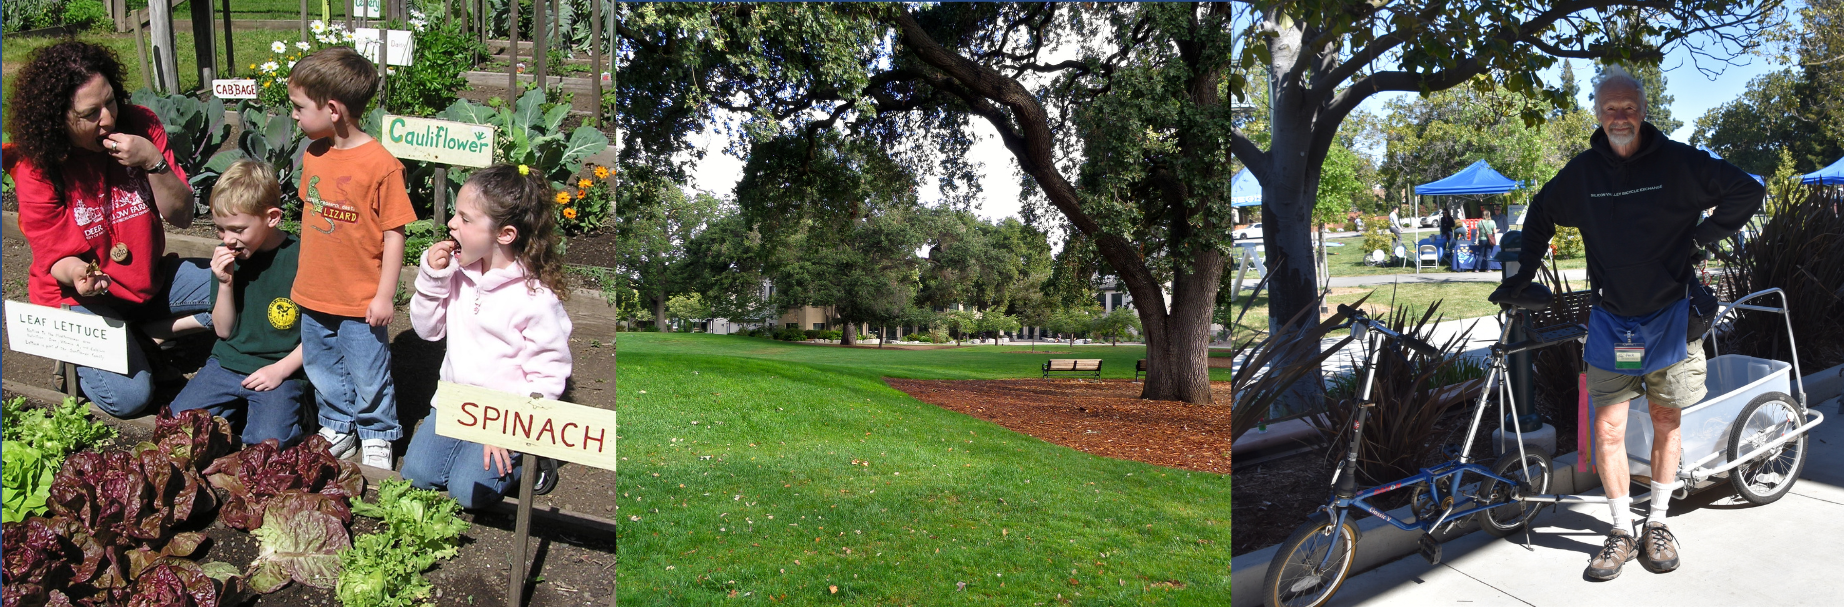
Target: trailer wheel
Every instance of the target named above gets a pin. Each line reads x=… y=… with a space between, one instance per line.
x=1765 y=478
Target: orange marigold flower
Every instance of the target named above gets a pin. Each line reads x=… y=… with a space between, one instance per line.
x=582 y=184
x=601 y=172
x=569 y=213
x=563 y=198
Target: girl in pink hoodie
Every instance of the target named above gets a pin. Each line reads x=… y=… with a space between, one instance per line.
x=495 y=292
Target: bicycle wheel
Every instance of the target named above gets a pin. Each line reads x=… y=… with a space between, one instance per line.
x=1533 y=471
x=1764 y=479
x=1309 y=567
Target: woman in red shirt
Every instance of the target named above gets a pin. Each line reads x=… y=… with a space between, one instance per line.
x=96 y=183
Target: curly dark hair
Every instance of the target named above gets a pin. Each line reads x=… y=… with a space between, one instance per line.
x=39 y=104
x=524 y=202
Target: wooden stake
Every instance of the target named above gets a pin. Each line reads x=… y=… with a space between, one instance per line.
x=512 y=51
x=140 y=48
x=540 y=38
x=441 y=195
x=515 y=589
x=230 y=60
x=595 y=60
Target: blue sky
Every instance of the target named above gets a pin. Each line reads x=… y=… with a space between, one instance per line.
x=1693 y=92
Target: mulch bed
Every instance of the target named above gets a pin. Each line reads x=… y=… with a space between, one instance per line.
x=1102 y=417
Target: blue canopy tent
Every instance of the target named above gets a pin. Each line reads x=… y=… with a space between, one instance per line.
x=1244 y=190
x=1831 y=175
x=1476 y=179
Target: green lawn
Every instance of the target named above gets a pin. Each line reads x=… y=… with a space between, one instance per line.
x=763 y=470
x=1348 y=260
x=1458 y=300
x=250 y=47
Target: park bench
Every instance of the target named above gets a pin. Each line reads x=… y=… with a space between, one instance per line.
x=1139 y=368
x=1073 y=365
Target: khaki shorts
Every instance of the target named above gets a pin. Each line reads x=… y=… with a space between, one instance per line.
x=1677 y=386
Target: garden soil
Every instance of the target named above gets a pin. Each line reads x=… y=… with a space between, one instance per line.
x=577 y=566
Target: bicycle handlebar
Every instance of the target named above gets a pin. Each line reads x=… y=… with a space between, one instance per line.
x=1413 y=343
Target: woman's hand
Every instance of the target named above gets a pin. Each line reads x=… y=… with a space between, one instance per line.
x=84 y=277
x=132 y=150
x=490 y=455
x=92 y=282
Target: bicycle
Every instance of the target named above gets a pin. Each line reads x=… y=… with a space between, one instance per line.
x=1310 y=566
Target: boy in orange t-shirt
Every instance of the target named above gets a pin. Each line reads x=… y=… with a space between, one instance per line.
x=354 y=208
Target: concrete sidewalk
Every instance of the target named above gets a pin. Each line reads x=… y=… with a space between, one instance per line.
x=1734 y=553
x=1578 y=277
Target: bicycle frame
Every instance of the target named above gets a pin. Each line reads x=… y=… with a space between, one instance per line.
x=1344 y=480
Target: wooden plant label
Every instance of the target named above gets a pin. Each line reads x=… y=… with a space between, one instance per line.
x=443 y=141
x=546 y=428
x=242 y=88
x=73 y=337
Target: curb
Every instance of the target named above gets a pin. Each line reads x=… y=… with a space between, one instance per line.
x=1380 y=543
x=372 y=474
x=587 y=302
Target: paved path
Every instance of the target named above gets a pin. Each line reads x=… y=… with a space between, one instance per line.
x=1734 y=553
x=1426 y=276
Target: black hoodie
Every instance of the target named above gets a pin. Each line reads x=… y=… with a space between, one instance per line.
x=1639 y=216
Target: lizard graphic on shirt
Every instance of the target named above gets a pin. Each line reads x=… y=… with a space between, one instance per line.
x=319 y=205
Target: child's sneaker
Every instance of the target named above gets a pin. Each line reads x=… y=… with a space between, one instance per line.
x=340 y=445
x=377 y=453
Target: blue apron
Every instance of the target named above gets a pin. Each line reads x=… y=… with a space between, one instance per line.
x=1662 y=332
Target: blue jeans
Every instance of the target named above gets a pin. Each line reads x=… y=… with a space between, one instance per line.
x=435 y=461
x=188 y=291
x=270 y=413
x=349 y=363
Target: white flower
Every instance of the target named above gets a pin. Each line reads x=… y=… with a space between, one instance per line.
x=346 y=36
x=291 y=65
x=317 y=26
x=391 y=71
x=270 y=67
x=324 y=39
x=302 y=45
x=278 y=47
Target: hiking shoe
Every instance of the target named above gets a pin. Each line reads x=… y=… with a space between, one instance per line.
x=1661 y=548
x=377 y=453
x=1616 y=551
x=341 y=446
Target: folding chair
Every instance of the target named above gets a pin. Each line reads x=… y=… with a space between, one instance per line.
x=1429 y=256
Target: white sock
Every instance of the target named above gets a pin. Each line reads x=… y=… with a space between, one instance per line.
x=1661 y=501
x=1622 y=512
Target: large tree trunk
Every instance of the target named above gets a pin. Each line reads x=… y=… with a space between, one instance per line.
x=659 y=311
x=849 y=336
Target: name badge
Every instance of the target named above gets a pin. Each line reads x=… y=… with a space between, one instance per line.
x=1629 y=354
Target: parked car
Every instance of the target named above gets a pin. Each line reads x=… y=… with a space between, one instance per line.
x=1253 y=231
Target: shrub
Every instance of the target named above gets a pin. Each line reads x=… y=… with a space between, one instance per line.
x=21 y=15
x=85 y=14
x=790 y=334
x=1568 y=243
x=430 y=83
x=831 y=335
x=1377 y=237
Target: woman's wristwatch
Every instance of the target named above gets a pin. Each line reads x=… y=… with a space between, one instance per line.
x=160 y=168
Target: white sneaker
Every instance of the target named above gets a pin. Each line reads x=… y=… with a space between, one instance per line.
x=377 y=453
x=342 y=445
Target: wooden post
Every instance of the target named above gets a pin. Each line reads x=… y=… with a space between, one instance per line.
x=140 y=47
x=348 y=15
x=166 y=67
x=441 y=195
x=512 y=51
x=230 y=60
x=69 y=370
x=515 y=589
x=304 y=32
x=595 y=59
x=204 y=49
x=540 y=42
